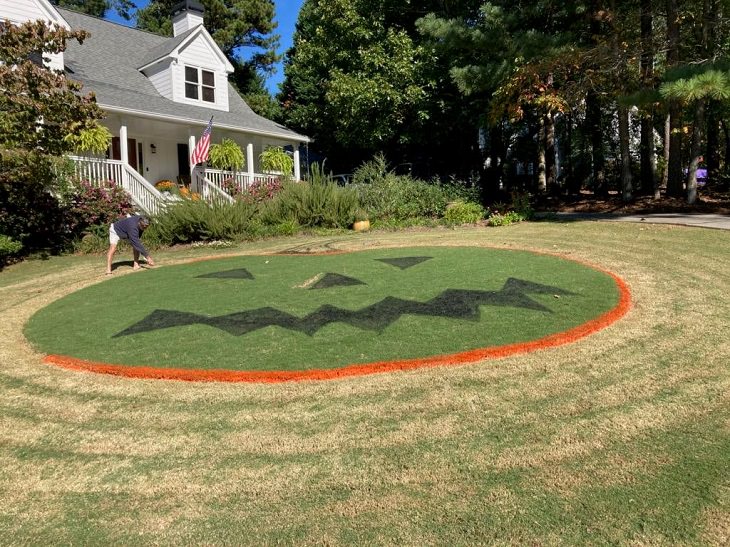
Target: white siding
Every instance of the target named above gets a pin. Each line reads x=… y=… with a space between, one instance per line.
x=161 y=77
x=200 y=54
x=185 y=21
x=20 y=11
x=56 y=61
x=221 y=90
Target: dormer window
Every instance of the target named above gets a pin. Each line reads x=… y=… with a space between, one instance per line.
x=199 y=84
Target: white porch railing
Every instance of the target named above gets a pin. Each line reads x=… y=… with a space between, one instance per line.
x=209 y=183
x=207 y=188
x=242 y=180
x=98 y=171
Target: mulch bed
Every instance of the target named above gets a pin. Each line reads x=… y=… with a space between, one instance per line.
x=587 y=202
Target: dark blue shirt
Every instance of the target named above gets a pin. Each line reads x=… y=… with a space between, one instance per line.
x=128 y=228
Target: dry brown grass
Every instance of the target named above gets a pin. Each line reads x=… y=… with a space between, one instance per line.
x=544 y=448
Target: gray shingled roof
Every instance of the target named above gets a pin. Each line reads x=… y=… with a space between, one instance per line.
x=108 y=63
x=165 y=48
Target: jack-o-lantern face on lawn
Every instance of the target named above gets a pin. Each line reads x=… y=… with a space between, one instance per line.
x=306 y=312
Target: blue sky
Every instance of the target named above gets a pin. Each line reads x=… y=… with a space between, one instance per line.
x=286 y=16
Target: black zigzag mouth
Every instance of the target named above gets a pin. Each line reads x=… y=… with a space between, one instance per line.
x=451 y=303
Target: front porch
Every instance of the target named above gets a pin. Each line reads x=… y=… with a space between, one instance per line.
x=159 y=149
x=209 y=183
x=146 y=149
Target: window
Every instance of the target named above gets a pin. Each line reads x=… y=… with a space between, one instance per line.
x=199 y=84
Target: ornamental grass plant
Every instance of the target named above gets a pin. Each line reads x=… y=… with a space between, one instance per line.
x=316 y=203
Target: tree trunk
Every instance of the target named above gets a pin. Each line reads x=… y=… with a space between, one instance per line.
x=725 y=186
x=572 y=185
x=551 y=166
x=541 y=161
x=495 y=160
x=665 y=174
x=623 y=132
x=648 y=162
x=593 y=119
x=593 y=107
x=674 y=165
x=699 y=124
x=712 y=155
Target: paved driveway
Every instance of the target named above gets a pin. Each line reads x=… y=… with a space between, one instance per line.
x=721 y=222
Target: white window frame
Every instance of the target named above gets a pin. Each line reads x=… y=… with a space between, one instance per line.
x=200 y=86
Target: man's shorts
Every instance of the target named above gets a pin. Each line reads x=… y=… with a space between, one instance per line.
x=113 y=237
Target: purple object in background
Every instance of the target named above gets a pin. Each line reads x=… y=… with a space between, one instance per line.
x=701 y=177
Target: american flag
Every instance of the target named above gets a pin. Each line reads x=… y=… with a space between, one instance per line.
x=200 y=153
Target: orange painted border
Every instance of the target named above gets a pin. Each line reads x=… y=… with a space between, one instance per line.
x=275 y=376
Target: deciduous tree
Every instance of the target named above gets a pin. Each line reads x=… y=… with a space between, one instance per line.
x=38 y=108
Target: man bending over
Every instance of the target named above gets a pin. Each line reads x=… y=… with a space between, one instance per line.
x=129 y=228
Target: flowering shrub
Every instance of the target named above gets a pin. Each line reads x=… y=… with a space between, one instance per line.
x=91 y=205
x=165 y=186
x=230 y=187
x=499 y=219
x=261 y=190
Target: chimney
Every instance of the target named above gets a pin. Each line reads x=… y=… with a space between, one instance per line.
x=186 y=15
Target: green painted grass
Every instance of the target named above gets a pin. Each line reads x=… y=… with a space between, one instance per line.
x=379 y=285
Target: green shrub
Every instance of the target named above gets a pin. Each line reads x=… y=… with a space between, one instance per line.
x=318 y=203
x=521 y=204
x=462 y=212
x=257 y=229
x=504 y=219
x=386 y=195
x=30 y=211
x=91 y=243
x=371 y=172
x=190 y=220
x=8 y=248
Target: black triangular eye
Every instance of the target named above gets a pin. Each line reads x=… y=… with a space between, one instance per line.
x=239 y=273
x=405 y=262
x=335 y=280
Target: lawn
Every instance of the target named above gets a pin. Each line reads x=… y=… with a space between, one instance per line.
x=621 y=437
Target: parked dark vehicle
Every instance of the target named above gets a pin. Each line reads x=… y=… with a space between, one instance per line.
x=343 y=179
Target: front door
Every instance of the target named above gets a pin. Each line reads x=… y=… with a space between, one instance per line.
x=183 y=163
x=131 y=151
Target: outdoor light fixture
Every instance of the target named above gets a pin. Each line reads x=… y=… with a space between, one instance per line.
x=153 y=148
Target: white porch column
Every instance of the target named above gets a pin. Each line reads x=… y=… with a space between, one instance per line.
x=123 y=149
x=191 y=147
x=249 y=161
x=297 y=173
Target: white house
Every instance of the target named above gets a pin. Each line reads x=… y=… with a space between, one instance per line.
x=158 y=93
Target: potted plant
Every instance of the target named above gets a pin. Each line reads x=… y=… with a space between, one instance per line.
x=227 y=156
x=361 y=223
x=275 y=160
